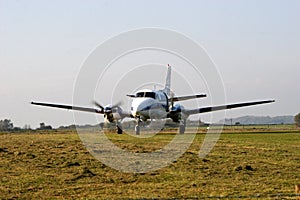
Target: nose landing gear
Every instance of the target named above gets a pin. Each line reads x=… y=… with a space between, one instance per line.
x=138 y=126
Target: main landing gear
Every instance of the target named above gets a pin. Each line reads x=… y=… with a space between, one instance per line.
x=119 y=128
x=137 y=129
x=181 y=130
x=182 y=126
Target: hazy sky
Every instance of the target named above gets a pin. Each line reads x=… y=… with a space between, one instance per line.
x=255 y=44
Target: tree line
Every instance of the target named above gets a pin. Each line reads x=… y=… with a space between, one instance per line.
x=7 y=125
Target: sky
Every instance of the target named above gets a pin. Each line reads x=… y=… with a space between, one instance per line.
x=43 y=44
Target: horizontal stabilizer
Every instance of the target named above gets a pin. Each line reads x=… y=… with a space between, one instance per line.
x=130 y=95
x=182 y=98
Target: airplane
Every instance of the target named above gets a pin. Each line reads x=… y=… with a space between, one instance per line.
x=152 y=104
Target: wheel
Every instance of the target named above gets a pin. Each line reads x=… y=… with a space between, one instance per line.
x=137 y=129
x=181 y=129
x=119 y=130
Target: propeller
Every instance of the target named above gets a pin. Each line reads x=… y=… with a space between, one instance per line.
x=99 y=106
x=116 y=105
x=107 y=108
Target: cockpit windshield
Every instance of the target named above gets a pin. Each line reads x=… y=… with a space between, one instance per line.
x=146 y=94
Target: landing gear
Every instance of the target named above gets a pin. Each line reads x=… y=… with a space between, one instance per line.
x=182 y=125
x=137 y=129
x=138 y=126
x=119 y=128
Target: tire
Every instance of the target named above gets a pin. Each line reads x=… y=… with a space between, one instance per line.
x=137 y=130
x=181 y=129
x=119 y=130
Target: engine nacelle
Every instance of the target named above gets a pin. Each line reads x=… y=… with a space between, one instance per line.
x=109 y=117
x=177 y=112
x=112 y=113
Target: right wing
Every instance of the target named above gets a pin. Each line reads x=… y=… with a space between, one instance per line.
x=224 y=107
x=68 y=107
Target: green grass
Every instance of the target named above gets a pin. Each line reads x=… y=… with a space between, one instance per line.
x=56 y=165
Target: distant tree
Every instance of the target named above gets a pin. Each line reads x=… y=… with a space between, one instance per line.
x=44 y=127
x=297 y=120
x=17 y=129
x=62 y=127
x=26 y=127
x=73 y=126
x=48 y=127
x=6 y=125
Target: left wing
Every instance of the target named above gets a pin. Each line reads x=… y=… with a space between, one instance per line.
x=224 y=107
x=68 y=107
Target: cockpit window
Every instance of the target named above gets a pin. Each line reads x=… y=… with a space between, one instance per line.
x=162 y=97
x=146 y=94
x=140 y=94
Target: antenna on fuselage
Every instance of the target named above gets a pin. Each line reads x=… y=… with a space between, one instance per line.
x=167 y=88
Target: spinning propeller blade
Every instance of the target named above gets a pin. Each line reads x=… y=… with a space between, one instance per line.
x=108 y=107
x=98 y=105
x=116 y=105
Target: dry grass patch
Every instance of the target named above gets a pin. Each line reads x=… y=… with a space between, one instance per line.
x=57 y=165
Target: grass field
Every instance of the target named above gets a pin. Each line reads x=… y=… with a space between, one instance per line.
x=244 y=162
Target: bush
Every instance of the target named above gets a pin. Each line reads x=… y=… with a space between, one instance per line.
x=6 y=125
x=297 y=120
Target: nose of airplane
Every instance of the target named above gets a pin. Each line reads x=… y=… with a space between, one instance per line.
x=140 y=105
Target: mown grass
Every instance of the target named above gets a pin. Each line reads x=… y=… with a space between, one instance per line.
x=43 y=165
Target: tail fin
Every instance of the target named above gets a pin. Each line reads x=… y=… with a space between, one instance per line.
x=167 y=88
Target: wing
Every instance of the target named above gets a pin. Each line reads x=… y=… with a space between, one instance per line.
x=68 y=107
x=182 y=98
x=224 y=107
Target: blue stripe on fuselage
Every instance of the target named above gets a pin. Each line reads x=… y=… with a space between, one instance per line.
x=154 y=106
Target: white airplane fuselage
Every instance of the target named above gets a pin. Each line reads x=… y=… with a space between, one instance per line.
x=149 y=104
